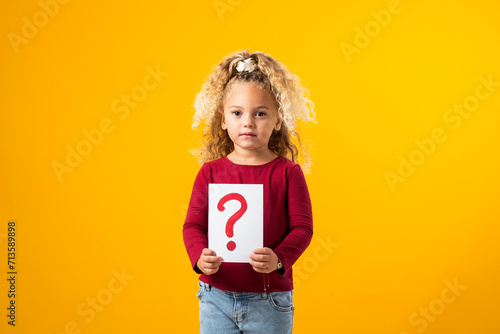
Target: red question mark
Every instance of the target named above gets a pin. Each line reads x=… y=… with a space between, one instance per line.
x=231 y=245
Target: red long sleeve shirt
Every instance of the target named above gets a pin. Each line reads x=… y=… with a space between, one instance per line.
x=288 y=224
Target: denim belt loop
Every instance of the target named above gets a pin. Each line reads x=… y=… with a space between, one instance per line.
x=206 y=286
x=264 y=295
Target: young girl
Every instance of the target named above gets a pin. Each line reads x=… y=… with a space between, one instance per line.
x=250 y=104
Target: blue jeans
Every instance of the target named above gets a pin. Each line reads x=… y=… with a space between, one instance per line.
x=228 y=312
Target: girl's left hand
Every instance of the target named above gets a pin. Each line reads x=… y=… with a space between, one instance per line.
x=264 y=260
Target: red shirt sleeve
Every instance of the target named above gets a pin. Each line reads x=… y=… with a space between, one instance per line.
x=195 y=229
x=300 y=220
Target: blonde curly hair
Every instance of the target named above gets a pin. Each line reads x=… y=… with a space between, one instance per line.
x=290 y=96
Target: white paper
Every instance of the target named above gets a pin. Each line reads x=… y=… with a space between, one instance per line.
x=248 y=230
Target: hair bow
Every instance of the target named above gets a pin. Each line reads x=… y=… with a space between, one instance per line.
x=248 y=65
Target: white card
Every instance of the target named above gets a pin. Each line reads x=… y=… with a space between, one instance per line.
x=235 y=220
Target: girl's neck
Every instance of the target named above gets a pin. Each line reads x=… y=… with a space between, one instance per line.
x=245 y=158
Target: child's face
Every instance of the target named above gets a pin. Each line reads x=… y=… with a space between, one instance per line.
x=250 y=109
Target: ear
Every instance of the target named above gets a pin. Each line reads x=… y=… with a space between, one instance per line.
x=222 y=120
x=277 y=127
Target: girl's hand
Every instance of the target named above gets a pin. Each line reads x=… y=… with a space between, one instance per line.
x=264 y=260
x=209 y=262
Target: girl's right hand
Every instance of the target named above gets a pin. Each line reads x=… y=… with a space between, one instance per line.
x=209 y=262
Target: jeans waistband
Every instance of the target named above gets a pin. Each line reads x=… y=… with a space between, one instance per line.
x=209 y=287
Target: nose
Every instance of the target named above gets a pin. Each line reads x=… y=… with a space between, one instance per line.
x=248 y=121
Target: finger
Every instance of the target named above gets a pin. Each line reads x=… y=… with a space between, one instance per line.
x=212 y=258
x=260 y=258
x=260 y=265
x=211 y=271
x=259 y=270
x=264 y=250
x=207 y=251
x=211 y=265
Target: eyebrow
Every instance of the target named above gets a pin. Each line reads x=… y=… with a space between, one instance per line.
x=258 y=107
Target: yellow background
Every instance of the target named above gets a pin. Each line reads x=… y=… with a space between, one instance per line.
x=124 y=205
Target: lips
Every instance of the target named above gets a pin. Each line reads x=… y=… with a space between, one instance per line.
x=248 y=134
